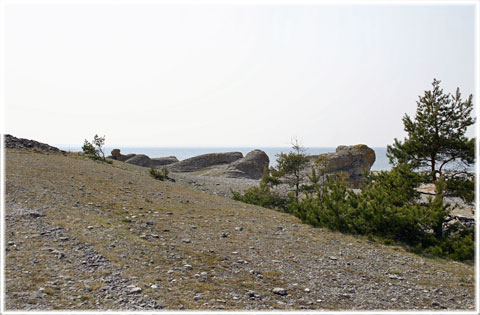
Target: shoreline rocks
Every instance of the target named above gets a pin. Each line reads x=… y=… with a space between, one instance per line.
x=354 y=160
x=251 y=166
x=116 y=155
x=205 y=160
x=141 y=159
x=162 y=161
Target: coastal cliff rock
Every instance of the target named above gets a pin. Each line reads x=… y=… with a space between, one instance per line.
x=140 y=160
x=12 y=142
x=251 y=166
x=116 y=155
x=162 y=161
x=353 y=160
x=204 y=161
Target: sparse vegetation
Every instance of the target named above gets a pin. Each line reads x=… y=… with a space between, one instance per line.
x=388 y=205
x=436 y=141
x=160 y=175
x=114 y=238
x=94 y=149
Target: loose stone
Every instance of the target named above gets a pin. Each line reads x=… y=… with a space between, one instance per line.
x=280 y=291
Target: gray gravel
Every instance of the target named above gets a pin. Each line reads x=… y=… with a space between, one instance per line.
x=86 y=236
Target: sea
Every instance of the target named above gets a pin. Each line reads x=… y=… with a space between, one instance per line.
x=182 y=153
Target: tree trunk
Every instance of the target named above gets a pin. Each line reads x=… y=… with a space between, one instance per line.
x=434 y=176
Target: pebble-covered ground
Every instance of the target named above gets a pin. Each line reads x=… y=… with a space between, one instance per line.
x=84 y=235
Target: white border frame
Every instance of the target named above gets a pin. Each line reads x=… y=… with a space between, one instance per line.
x=4 y=3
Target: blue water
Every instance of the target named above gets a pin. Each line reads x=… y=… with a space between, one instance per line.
x=182 y=153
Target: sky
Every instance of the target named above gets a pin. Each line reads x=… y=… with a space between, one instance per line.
x=156 y=74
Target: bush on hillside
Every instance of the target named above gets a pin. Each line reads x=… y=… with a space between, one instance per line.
x=160 y=175
x=387 y=207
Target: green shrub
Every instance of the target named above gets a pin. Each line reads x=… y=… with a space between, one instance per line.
x=94 y=149
x=387 y=208
x=160 y=175
x=261 y=196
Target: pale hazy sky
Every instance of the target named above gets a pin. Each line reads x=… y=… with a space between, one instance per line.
x=229 y=75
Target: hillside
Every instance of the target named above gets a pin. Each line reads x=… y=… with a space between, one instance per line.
x=87 y=235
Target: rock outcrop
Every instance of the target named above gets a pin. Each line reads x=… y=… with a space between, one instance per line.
x=162 y=161
x=205 y=160
x=140 y=160
x=116 y=155
x=12 y=142
x=353 y=160
x=251 y=166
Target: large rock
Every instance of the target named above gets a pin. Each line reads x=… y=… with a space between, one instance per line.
x=352 y=160
x=140 y=160
x=251 y=166
x=162 y=161
x=116 y=155
x=205 y=160
x=12 y=142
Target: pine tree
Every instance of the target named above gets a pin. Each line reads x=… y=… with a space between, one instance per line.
x=289 y=167
x=436 y=136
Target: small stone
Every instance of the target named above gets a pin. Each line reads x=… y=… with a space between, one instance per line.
x=307 y=290
x=170 y=271
x=333 y=258
x=435 y=303
x=89 y=227
x=238 y=228
x=135 y=290
x=169 y=213
x=187 y=240
x=280 y=291
x=154 y=286
x=188 y=267
x=197 y=297
x=250 y=293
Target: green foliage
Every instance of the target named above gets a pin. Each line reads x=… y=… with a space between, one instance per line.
x=263 y=194
x=436 y=150
x=387 y=208
x=94 y=149
x=89 y=149
x=160 y=175
x=436 y=138
x=289 y=166
x=462 y=186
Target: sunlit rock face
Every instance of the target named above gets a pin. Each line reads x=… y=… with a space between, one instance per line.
x=354 y=161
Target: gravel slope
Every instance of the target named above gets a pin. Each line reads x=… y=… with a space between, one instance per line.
x=85 y=235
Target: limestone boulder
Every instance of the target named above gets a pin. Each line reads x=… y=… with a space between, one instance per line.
x=116 y=155
x=204 y=161
x=251 y=166
x=140 y=160
x=162 y=161
x=352 y=160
